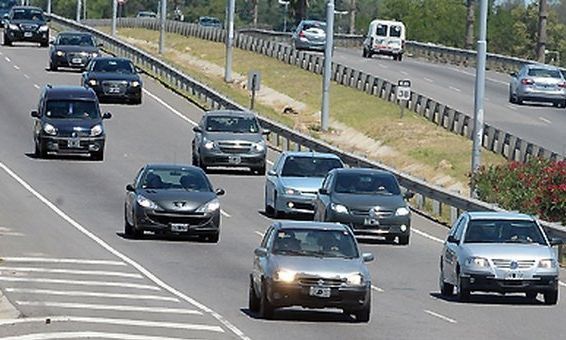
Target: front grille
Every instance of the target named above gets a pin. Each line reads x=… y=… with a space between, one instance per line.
x=323 y=282
x=506 y=264
x=235 y=147
x=303 y=206
x=166 y=218
x=28 y=27
x=81 y=133
x=114 y=87
x=366 y=213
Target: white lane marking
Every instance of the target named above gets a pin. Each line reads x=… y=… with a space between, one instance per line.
x=123 y=257
x=454 y=88
x=36 y=86
x=79 y=282
x=440 y=316
x=545 y=120
x=26 y=76
x=61 y=260
x=121 y=308
x=10 y=233
x=377 y=289
x=511 y=107
x=428 y=79
x=87 y=335
x=562 y=283
x=91 y=294
x=225 y=214
x=170 y=108
x=16 y=67
x=430 y=237
x=121 y=322
x=8 y=59
x=259 y=233
x=70 y=271
x=269 y=162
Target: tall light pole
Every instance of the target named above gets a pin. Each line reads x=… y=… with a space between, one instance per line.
x=229 y=40
x=79 y=6
x=286 y=4
x=479 y=94
x=114 y=14
x=49 y=7
x=324 y=112
x=162 y=16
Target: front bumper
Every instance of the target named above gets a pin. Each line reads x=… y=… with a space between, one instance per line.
x=363 y=226
x=489 y=283
x=162 y=221
x=130 y=94
x=219 y=158
x=79 y=62
x=28 y=36
x=73 y=146
x=295 y=204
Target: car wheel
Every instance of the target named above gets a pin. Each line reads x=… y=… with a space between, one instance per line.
x=446 y=289
x=98 y=155
x=212 y=237
x=53 y=67
x=400 y=57
x=267 y=208
x=44 y=44
x=404 y=240
x=260 y=171
x=511 y=97
x=40 y=150
x=519 y=100
x=551 y=297
x=136 y=101
x=276 y=213
x=130 y=231
x=462 y=291
x=531 y=295
x=265 y=307
x=253 y=301
x=6 y=41
x=365 y=53
x=363 y=314
x=201 y=164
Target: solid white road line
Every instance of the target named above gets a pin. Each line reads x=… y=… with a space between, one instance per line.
x=428 y=80
x=430 y=237
x=123 y=257
x=377 y=289
x=170 y=108
x=36 y=86
x=70 y=271
x=440 y=316
x=62 y=260
x=259 y=233
x=87 y=335
x=26 y=76
x=16 y=67
x=454 y=88
x=120 y=308
x=79 y=282
x=110 y=321
x=545 y=120
x=90 y=294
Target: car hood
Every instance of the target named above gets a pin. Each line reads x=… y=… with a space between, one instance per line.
x=323 y=267
x=366 y=202
x=77 y=49
x=113 y=76
x=169 y=199
x=305 y=184
x=228 y=136
x=73 y=124
x=511 y=251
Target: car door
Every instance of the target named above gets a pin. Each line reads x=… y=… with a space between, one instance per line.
x=260 y=266
x=131 y=197
x=322 y=201
x=451 y=250
x=197 y=140
x=272 y=180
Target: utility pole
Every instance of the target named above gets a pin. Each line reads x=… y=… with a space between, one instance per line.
x=479 y=94
x=286 y=4
x=325 y=110
x=49 y=7
x=162 y=17
x=229 y=40
x=542 y=18
x=352 y=28
x=79 y=5
x=255 y=12
x=470 y=18
x=84 y=10
x=114 y=14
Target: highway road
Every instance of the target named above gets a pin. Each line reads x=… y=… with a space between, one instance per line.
x=66 y=267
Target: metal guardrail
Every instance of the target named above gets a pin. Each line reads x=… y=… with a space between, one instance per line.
x=496 y=140
x=283 y=137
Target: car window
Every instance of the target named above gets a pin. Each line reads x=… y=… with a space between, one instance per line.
x=266 y=237
x=395 y=31
x=75 y=40
x=72 y=109
x=301 y=166
x=175 y=179
x=544 y=73
x=234 y=124
x=314 y=242
x=113 y=65
x=503 y=231
x=381 y=30
x=327 y=182
x=366 y=183
x=27 y=14
x=7 y=4
x=459 y=229
x=310 y=25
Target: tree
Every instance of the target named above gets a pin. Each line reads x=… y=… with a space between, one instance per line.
x=352 y=26
x=541 y=36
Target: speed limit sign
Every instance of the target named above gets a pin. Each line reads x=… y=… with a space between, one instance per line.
x=404 y=90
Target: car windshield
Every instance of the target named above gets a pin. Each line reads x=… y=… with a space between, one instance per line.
x=7 y=4
x=544 y=73
x=366 y=184
x=175 y=179
x=503 y=231
x=75 y=40
x=72 y=109
x=234 y=124
x=315 y=242
x=309 y=166
x=113 y=66
x=28 y=14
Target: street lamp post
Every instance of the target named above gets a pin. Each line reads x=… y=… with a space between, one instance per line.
x=325 y=110
x=162 y=16
x=114 y=14
x=79 y=5
x=229 y=40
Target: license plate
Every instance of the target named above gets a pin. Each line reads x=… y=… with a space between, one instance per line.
x=179 y=227
x=320 y=292
x=514 y=276
x=234 y=159
x=28 y=34
x=77 y=61
x=74 y=143
x=114 y=90
x=371 y=221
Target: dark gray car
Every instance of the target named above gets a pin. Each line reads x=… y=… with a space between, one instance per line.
x=229 y=139
x=370 y=201
x=26 y=24
x=72 y=49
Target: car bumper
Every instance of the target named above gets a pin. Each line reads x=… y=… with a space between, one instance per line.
x=287 y=295
x=38 y=37
x=309 y=45
x=386 y=51
x=159 y=221
x=488 y=283
x=65 y=61
x=130 y=94
x=295 y=204
x=361 y=226
x=541 y=96
x=67 y=145
x=215 y=158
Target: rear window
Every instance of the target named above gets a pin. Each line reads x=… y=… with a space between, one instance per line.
x=320 y=25
x=544 y=73
x=395 y=31
x=381 y=30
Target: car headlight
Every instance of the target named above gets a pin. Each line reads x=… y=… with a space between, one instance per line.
x=547 y=263
x=355 y=279
x=210 y=206
x=92 y=82
x=477 y=262
x=94 y=55
x=44 y=28
x=96 y=130
x=209 y=145
x=14 y=27
x=49 y=129
x=145 y=202
x=284 y=275
x=84 y=54
x=259 y=147
x=402 y=211
x=60 y=53
x=291 y=191
x=339 y=208
x=135 y=83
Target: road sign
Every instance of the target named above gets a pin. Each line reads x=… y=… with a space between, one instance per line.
x=404 y=89
x=254 y=80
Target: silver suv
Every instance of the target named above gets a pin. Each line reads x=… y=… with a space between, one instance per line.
x=230 y=139
x=499 y=252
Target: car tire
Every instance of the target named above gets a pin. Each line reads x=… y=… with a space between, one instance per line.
x=136 y=101
x=39 y=150
x=265 y=307
x=511 y=97
x=7 y=42
x=446 y=289
x=130 y=231
x=201 y=164
x=400 y=57
x=276 y=213
x=212 y=237
x=53 y=67
x=531 y=295
x=44 y=44
x=403 y=240
x=363 y=315
x=259 y=171
x=462 y=291
x=253 y=300
x=519 y=100
x=551 y=297
x=268 y=210
x=98 y=155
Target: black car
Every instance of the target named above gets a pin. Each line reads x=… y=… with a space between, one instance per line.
x=68 y=122
x=370 y=201
x=169 y=198
x=5 y=7
x=113 y=80
x=72 y=49
x=25 y=23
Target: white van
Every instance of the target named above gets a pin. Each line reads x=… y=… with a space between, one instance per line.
x=385 y=37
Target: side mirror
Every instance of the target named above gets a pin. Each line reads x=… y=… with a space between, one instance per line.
x=106 y=115
x=139 y=70
x=130 y=188
x=368 y=257
x=408 y=194
x=271 y=173
x=220 y=192
x=100 y=45
x=513 y=74
x=556 y=241
x=6 y=16
x=260 y=252
x=452 y=239
x=323 y=191
x=266 y=132
x=35 y=114
x=48 y=19
x=197 y=129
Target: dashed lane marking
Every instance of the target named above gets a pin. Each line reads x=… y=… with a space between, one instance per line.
x=70 y=271
x=90 y=294
x=16 y=67
x=225 y=214
x=7 y=59
x=509 y=106
x=545 y=120
x=26 y=76
x=428 y=80
x=120 y=308
x=430 y=237
x=377 y=289
x=87 y=335
x=170 y=108
x=440 y=316
x=259 y=233
x=79 y=282
x=36 y=86
x=62 y=260
x=454 y=88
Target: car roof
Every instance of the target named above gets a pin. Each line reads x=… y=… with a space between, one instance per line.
x=27 y=7
x=69 y=92
x=502 y=215
x=542 y=66
x=74 y=33
x=309 y=225
x=229 y=112
x=171 y=166
x=311 y=21
x=362 y=171
x=112 y=58
x=388 y=22
x=310 y=154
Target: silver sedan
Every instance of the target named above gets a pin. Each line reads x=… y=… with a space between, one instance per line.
x=538 y=83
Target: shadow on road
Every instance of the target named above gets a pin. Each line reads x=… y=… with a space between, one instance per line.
x=304 y=315
x=491 y=299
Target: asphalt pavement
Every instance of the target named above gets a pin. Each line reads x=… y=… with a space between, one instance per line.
x=65 y=265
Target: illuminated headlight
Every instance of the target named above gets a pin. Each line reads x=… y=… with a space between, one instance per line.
x=49 y=129
x=283 y=275
x=547 y=264
x=14 y=27
x=135 y=83
x=60 y=53
x=355 y=279
x=477 y=262
x=94 y=55
x=92 y=82
x=259 y=147
x=84 y=54
x=96 y=130
x=209 y=145
x=402 y=211
x=146 y=203
x=291 y=191
x=210 y=206
x=339 y=208
x=44 y=28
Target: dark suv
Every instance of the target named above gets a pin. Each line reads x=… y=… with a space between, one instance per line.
x=68 y=121
x=72 y=49
x=25 y=23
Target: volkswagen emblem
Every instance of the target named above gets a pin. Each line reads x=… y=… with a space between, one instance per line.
x=74 y=134
x=514 y=265
x=373 y=213
x=180 y=204
x=320 y=282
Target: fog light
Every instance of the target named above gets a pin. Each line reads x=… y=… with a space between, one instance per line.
x=403 y=228
x=472 y=280
x=290 y=205
x=94 y=147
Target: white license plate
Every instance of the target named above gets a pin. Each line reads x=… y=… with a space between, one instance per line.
x=371 y=221
x=514 y=276
x=114 y=90
x=320 y=292
x=179 y=227
x=74 y=143
x=77 y=61
x=234 y=159
x=28 y=34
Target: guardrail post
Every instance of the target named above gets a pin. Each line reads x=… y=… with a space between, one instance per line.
x=436 y=207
